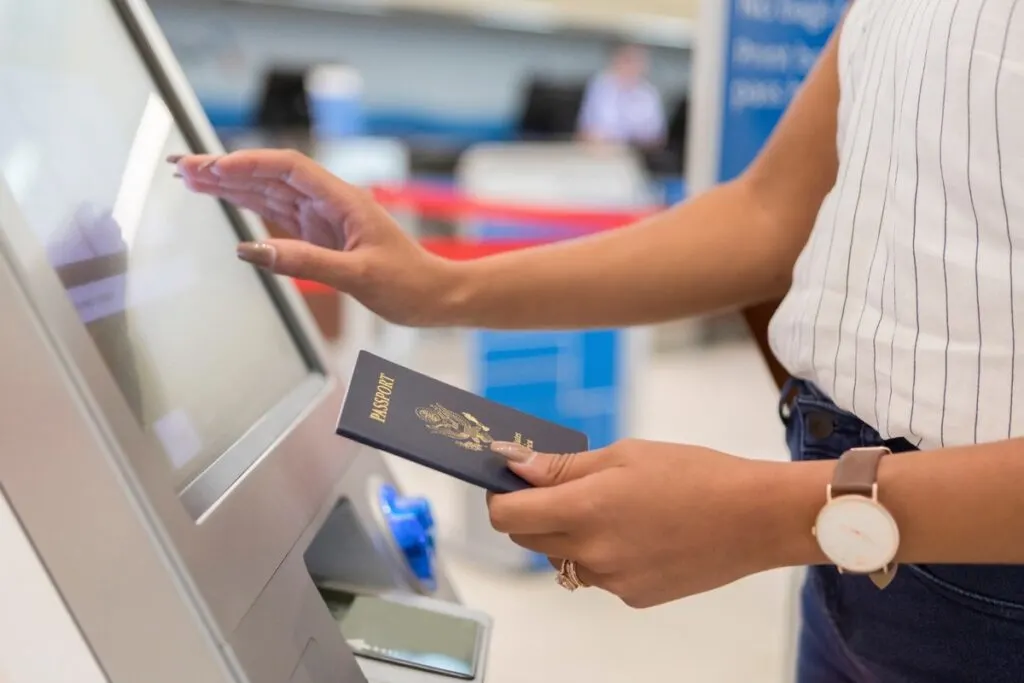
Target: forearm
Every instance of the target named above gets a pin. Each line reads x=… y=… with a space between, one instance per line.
x=732 y=246
x=720 y=250
x=952 y=506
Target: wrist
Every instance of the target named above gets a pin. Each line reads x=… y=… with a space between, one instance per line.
x=792 y=495
x=456 y=287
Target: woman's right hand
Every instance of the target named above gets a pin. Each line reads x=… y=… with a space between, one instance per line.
x=345 y=239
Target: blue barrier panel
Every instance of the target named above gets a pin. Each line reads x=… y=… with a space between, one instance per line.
x=572 y=378
x=770 y=46
x=673 y=190
x=569 y=377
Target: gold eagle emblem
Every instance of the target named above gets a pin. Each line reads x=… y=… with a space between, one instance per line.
x=462 y=428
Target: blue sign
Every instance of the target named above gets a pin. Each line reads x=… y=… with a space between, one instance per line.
x=771 y=45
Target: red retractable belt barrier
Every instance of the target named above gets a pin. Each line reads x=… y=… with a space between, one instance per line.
x=446 y=247
x=444 y=204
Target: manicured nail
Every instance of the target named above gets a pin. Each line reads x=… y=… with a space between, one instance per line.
x=513 y=451
x=175 y=158
x=257 y=253
x=177 y=175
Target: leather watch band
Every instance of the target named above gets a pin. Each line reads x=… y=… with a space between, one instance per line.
x=856 y=474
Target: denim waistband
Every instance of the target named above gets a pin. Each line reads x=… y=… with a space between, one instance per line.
x=817 y=429
x=844 y=422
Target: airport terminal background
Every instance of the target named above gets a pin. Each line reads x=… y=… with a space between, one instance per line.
x=461 y=115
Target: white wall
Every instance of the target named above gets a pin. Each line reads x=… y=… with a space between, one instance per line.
x=437 y=67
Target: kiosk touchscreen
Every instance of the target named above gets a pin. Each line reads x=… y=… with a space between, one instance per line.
x=167 y=411
x=145 y=264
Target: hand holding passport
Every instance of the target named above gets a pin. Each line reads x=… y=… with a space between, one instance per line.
x=424 y=420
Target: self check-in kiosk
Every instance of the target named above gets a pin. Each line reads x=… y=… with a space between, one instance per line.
x=167 y=453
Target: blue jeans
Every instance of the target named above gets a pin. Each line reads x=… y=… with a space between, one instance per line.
x=933 y=624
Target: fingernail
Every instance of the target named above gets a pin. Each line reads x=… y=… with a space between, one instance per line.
x=513 y=451
x=177 y=175
x=257 y=253
x=208 y=163
x=175 y=158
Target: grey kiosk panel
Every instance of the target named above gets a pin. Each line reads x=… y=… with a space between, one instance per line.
x=199 y=566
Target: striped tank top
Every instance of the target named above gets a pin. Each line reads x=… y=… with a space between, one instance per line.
x=907 y=304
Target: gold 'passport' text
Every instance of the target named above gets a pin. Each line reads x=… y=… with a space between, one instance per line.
x=382 y=398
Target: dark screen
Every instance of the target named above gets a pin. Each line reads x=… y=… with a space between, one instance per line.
x=411 y=636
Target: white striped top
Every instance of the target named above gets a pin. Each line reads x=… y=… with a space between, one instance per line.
x=906 y=300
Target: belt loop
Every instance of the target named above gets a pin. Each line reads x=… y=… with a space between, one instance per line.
x=790 y=390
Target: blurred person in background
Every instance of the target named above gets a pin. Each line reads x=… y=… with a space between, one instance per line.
x=888 y=209
x=620 y=106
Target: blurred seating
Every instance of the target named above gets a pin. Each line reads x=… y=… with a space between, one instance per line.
x=679 y=126
x=284 y=105
x=550 y=109
x=669 y=160
x=548 y=112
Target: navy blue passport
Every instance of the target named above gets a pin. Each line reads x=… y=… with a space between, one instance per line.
x=394 y=409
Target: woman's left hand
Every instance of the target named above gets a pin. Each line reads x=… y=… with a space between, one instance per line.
x=654 y=522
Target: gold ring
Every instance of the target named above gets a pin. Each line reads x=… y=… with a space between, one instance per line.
x=568 y=578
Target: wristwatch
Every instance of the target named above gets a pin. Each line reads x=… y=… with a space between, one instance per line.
x=854 y=530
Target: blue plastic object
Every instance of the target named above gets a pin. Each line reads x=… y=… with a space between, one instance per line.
x=336 y=117
x=411 y=522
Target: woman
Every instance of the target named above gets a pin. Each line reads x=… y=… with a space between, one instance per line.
x=887 y=207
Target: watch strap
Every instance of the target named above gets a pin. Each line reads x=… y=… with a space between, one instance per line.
x=856 y=474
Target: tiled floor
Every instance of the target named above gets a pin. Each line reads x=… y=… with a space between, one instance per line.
x=720 y=396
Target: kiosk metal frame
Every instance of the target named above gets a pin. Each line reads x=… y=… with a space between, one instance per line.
x=210 y=585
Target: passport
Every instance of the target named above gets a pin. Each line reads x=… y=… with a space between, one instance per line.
x=416 y=417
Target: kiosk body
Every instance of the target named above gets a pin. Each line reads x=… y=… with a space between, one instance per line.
x=166 y=413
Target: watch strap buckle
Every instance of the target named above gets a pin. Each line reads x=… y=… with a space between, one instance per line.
x=884 y=576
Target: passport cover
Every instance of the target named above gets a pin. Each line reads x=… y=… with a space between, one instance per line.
x=394 y=409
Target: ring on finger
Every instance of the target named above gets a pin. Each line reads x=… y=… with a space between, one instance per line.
x=568 y=578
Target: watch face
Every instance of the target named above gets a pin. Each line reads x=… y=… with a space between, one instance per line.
x=857 y=534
